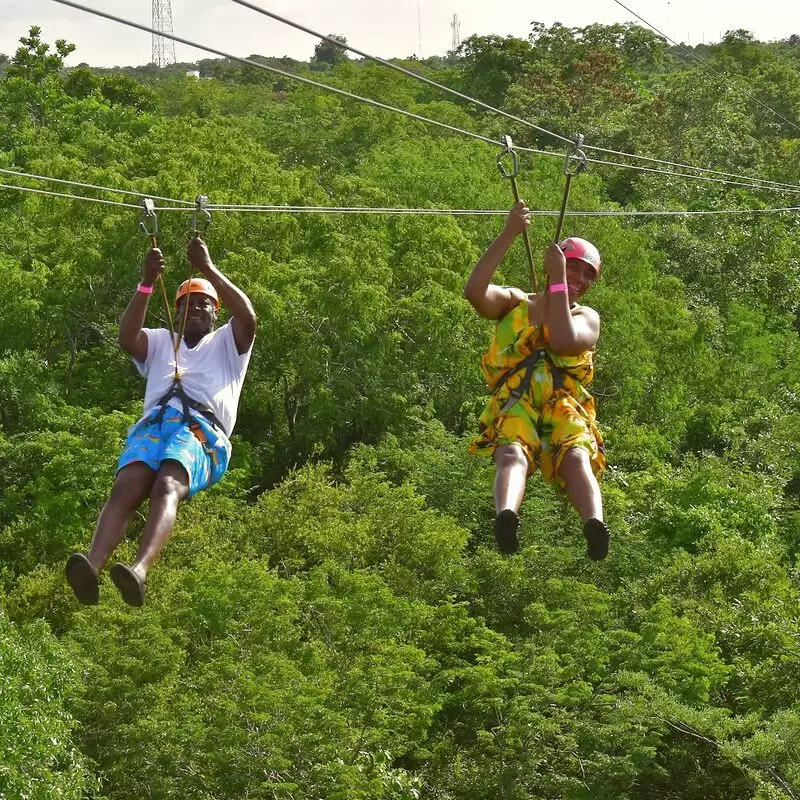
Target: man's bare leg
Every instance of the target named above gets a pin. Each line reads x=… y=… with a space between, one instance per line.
x=170 y=487
x=132 y=485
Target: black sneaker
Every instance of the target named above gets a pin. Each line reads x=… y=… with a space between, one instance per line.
x=506 y=524
x=598 y=538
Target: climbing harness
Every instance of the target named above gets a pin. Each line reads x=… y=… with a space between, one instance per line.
x=148 y=224
x=508 y=150
x=529 y=364
x=574 y=163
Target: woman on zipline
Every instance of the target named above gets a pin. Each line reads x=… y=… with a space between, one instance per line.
x=538 y=366
x=180 y=445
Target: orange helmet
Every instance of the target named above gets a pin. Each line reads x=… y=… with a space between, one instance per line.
x=197 y=286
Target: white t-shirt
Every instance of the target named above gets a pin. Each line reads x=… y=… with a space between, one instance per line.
x=211 y=372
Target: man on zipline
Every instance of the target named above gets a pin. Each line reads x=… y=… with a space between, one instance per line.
x=538 y=366
x=180 y=445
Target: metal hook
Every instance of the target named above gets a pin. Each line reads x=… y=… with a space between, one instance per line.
x=575 y=155
x=508 y=151
x=200 y=210
x=148 y=213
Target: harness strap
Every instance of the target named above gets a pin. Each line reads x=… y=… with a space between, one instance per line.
x=188 y=405
x=529 y=364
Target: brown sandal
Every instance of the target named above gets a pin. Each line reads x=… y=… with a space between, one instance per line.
x=83 y=579
x=130 y=585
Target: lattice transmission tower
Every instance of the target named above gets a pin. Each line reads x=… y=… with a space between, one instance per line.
x=456 y=26
x=163 y=48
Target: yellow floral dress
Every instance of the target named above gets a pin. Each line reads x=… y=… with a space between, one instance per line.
x=540 y=400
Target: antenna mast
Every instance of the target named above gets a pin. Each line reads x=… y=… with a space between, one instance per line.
x=456 y=26
x=163 y=49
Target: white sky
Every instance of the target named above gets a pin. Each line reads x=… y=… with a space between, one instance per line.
x=386 y=28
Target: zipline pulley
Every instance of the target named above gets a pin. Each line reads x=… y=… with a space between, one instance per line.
x=508 y=151
x=201 y=216
x=148 y=221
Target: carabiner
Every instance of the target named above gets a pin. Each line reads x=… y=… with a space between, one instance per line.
x=201 y=216
x=148 y=214
x=575 y=155
x=508 y=151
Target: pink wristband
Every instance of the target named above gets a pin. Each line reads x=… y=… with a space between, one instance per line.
x=557 y=287
x=142 y=289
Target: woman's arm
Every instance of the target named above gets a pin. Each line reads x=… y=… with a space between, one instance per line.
x=489 y=299
x=570 y=332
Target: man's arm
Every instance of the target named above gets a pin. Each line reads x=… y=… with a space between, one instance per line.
x=489 y=299
x=243 y=316
x=131 y=337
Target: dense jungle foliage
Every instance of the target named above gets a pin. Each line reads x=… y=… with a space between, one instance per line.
x=332 y=620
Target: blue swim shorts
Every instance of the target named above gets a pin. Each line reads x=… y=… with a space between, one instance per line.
x=152 y=442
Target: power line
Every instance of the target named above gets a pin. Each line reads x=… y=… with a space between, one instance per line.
x=705 y=64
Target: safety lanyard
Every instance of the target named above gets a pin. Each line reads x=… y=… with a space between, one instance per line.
x=148 y=225
x=574 y=163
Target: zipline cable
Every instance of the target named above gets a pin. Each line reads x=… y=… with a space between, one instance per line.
x=481 y=104
x=277 y=71
x=88 y=186
x=452 y=212
x=766 y=182
x=69 y=196
x=366 y=100
x=376 y=103
x=790 y=189
x=705 y=64
x=398 y=68
x=601 y=162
